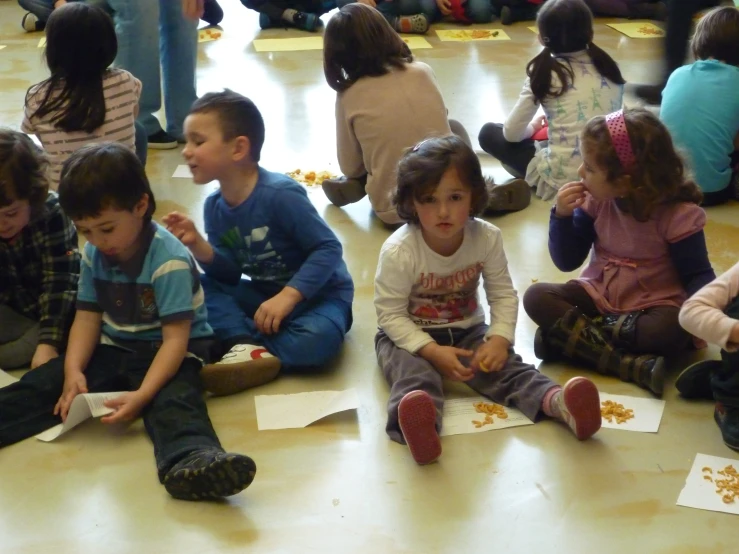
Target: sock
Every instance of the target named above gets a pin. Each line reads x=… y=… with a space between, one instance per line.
x=288 y=15
x=551 y=404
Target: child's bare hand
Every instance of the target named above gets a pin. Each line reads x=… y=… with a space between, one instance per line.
x=539 y=123
x=445 y=6
x=445 y=360
x=74 y=384
x=44 y=353
x=127 y=407
x=183 y=228
x=569 y=197
x=270 y=314
x=491 y=355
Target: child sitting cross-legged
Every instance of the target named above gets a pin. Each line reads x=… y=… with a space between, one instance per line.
x=141 y=326
x=432 y=324
x=296 y=306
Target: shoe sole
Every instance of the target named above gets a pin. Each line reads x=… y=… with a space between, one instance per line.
x=162 y=145
x=341 y=193
x=225 y=379
x=718 y=422
x=686 y=381
x=583 y=403
x=226 y=476
x=417 y=420
x=657 y=383
x=512 y=196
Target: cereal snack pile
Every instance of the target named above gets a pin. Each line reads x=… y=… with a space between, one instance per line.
x=613 y=410
x=310 y=178
x=727 y=487
x=489 y=410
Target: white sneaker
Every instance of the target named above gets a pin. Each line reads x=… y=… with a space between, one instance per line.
x=243 y=367
x=30 y=22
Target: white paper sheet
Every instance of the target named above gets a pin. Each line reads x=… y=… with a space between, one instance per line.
x=6 y=379
x=42 y=42
x=701 y=493
x=84 y=406
x=182 y=172
x=459 y=414
x=3 y=46
x=647 y=413
x=293 y=411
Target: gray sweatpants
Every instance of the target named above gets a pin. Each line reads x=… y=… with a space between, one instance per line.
x=18 y=338
x=518 y=384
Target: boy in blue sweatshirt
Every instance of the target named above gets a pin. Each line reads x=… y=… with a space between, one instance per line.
x=294 y=307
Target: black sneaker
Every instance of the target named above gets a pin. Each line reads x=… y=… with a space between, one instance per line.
x=651 y=94
x=306 y=21
x=695 y=380
x=209 y=474
x=161 y=140
x=727 y=419
x=31 y=23
x=212 y=13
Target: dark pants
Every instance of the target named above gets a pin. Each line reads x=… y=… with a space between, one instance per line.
x=274 y=8
x=521 y=10
x=679 y=24
x=657 y=329
x=725 y=381
x=176 y=420
x=515 y=156
x=722 y=196
x=518 y=384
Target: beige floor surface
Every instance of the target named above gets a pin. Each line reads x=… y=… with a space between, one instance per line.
x=341 y=485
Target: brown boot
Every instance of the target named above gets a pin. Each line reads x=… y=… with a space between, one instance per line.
x=343 y=191
x=620 y=329
x=577 y=338
x=512 y=196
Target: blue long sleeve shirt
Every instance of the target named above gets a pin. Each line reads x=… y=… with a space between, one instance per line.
x=277 y=239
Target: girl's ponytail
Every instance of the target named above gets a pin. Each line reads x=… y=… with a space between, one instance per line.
x=540 y=71
x=605 y=64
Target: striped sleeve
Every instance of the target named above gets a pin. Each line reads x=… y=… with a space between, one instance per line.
x=174 y=284
x=86 y=296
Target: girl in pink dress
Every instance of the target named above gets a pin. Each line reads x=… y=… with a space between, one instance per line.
x=635 y=211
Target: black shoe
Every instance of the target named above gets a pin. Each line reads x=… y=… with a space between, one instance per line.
x=161 y=140
x=695 y=380
x=506 y=15
x=651 y=94
x=213 y=13
x=208 y=474
x=306 y=21
x=727 y=419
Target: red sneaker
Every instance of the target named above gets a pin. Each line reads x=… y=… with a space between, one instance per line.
x=417 y=419
x=581 y=407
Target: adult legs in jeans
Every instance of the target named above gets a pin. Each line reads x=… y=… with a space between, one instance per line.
x=142 y=143
x=40 y=8
x=147 y=26
x=514 y=156
x=18 y=338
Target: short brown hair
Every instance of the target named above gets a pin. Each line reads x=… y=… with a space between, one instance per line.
x=658 y=176
x=421 y=168
x=22 y=170
x=358 y=42
x=717 y=36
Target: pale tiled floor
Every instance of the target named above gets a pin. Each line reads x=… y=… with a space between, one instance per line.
x=341 y=485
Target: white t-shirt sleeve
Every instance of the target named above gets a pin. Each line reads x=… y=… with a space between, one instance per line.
x=501 y=296
x=517 y=125
x=393 y=284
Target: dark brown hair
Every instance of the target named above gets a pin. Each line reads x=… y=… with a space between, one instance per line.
x=566 y=26
x=658 y=177
x=80 y=46
x=22 y=170
x=103 y=176
x=359 y=42
x=717 y=36
x=422 y=167
x=237 y=117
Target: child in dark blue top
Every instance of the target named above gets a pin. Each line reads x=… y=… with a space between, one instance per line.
x=295 y=307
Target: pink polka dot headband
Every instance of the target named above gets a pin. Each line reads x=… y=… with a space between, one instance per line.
x=616 y=124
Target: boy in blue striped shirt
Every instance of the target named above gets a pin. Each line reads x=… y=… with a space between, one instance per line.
x=141 y=326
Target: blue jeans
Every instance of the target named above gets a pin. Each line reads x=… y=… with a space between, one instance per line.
x=310 y=336
x=153 y=33
x=392 y=9
x=176 y=419
x=40 y=8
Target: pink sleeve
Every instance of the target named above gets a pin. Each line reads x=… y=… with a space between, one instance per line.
x=681 y=221
x=703 y=315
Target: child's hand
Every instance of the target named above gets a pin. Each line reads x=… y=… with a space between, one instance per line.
x=445 y=360
x=539 y=123
x=74 y=384
x=44 y=353
x=184 y=229
x=127 y=407
x=270 y=314
x=370 y=3
x=491 y=355
x=193 y=9
x=445 y=6
x=569 y=197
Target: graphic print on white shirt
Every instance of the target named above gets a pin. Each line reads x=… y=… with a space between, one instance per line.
x=442 y=299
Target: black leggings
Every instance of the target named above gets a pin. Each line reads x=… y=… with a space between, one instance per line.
x=515 y=156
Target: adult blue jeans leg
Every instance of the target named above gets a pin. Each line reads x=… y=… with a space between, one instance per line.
x=479 y=11
x=137 y=28
x=40 y=8
x=142 y=143
x=178 y=44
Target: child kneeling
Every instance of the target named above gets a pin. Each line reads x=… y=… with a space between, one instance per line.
x=141 y=326
x=431 y=322
x=296 y=306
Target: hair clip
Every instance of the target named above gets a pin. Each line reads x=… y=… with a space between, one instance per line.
x=417 y=146
x=616 y=124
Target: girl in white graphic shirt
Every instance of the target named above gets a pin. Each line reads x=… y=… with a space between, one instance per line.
x=432 y=324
